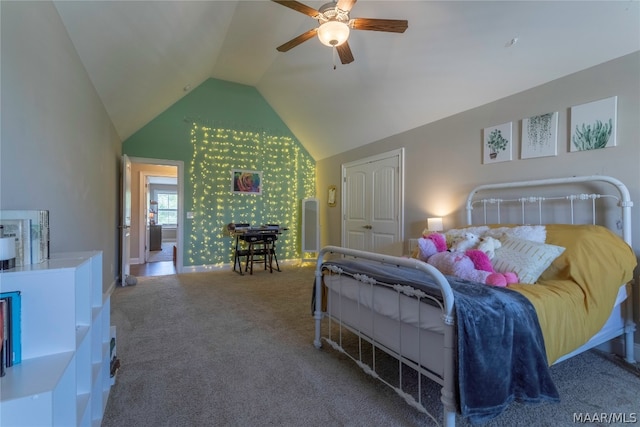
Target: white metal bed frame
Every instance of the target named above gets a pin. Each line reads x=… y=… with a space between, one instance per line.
x=414 y=356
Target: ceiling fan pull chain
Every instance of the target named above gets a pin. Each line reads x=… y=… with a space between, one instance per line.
x=334 y=56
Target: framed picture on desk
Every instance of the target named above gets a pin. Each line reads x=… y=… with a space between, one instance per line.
x=246 y=182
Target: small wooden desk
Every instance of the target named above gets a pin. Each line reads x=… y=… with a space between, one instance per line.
x=260 y=248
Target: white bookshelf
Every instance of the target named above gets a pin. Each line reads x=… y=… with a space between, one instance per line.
x=64 y=377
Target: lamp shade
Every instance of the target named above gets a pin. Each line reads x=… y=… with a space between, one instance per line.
x=434 y=224
x=333 y=33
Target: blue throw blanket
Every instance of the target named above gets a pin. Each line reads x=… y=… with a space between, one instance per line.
x=501 y=353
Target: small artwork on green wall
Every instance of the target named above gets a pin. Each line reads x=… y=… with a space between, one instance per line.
x=246 y=182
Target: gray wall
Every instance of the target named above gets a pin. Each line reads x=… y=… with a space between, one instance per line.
x=443 y=160
x=59 y=148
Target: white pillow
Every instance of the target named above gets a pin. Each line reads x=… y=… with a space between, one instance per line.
x=536 y=233
x=526 y=258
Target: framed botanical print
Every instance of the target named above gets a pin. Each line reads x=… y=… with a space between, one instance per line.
x=593 y=125
x=540 y=136
x=497 y=143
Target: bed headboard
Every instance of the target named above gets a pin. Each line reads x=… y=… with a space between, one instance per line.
x=595 y=199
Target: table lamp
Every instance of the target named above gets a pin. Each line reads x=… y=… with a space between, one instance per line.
x=434 y=224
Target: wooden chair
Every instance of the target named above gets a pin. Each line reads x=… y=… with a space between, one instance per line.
x=240 y=253
x=272 y=248
x=259 y=250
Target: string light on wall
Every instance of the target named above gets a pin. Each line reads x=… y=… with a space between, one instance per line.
x=288 y=176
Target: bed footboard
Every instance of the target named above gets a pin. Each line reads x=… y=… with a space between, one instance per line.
x=446 y=375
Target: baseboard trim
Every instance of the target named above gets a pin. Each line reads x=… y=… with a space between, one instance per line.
x=112 y=286
x=616 y=346
x=229 y=266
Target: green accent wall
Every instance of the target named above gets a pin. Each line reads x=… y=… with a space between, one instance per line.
x=218 y=127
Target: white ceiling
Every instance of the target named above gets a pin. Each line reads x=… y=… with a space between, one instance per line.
x=140 y=55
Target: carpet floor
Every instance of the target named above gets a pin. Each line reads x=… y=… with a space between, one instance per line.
x=220 y=349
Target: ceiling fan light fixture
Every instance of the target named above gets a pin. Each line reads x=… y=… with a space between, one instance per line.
x=333 y=33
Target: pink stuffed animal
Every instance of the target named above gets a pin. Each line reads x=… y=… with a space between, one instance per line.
x=473 y=265
x=430 y=244
x=482 y=262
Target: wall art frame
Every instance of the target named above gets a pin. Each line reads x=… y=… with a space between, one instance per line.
x=331 y=196
x=593 y=125
x=497 y=142
x=539 y=136
x=246 y=182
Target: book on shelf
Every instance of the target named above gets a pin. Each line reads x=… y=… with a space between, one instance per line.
x=3 y=336
x=38 y=231
x=12 y=341
x=20 y=230
x=7 y=350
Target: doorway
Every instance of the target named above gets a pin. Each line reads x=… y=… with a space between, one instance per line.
x=157 y=212
x=372 y=203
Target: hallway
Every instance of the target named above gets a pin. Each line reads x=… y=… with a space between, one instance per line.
x=160 y=263
x=160 y=268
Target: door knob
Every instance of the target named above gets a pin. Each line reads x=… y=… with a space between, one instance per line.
x=368 y=227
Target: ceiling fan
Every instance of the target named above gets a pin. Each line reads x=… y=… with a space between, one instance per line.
x=335 y=24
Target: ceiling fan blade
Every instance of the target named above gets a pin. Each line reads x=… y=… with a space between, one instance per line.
x=296 y=41
x=370 y=24
x=344 y=52
x=299 y=7
x=346 y=5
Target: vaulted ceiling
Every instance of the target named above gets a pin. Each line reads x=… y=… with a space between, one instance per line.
x=142 y=56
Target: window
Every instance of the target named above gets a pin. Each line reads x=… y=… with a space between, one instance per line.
x=167 y=208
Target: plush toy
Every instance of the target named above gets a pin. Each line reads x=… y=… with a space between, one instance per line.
x=480 y=260
x=488 y=245
x=464 y=241
x=460 y=265
x=473 y=265
x=429 y=244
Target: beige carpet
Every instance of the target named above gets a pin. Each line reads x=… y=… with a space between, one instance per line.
x=219 y=349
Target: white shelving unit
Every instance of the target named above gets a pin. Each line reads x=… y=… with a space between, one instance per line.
x=64 y=377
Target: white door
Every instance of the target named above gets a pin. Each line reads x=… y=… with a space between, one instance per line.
x=146 y=208
x=125 y=226
x=372 y=204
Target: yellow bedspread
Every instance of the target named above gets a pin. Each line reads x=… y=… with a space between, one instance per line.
x=575 y=295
